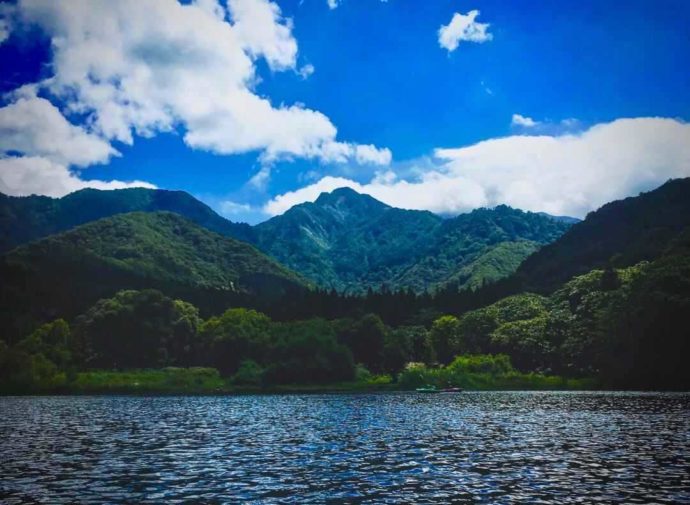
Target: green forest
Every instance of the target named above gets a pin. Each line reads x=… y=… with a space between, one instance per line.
x=143 y=340
x=153 y=301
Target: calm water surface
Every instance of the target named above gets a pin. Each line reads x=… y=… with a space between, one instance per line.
x=379 y=448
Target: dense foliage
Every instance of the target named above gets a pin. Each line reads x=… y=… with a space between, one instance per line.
x=352 y=242
x=626 y=326
x=621 y=233
x=66 y=273
x=23 y=219
x=478 y=247
x=344 y=240
x=77 y=303
x=484 y=371
x=146 y=329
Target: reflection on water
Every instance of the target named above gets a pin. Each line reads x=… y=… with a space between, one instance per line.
x=378 y=448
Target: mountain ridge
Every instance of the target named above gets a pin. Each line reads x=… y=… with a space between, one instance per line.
x=619 y=234
x=23 y=219
x=138 y=250
x=343 y=240
x=351 y=242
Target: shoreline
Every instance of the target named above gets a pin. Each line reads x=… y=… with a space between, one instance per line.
x=315 y=391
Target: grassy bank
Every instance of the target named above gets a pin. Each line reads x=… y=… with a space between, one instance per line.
x=198 y=380
x=486 y=372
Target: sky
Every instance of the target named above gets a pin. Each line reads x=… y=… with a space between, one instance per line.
x=254 y=106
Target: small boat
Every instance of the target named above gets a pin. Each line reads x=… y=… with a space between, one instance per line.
x=452 y=390
x=428 y=389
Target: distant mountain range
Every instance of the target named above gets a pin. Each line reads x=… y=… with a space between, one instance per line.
x=617 y=283
x=352 y=242
x=23 y=219
x=344 y=240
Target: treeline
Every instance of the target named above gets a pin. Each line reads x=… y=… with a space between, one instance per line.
x=626 y=327
x=146 y=329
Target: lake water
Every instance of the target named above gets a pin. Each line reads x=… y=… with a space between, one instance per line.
x=376 y=448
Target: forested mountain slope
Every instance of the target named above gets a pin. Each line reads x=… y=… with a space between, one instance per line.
x=343 y=240
x=64 y=273
x=23 y=219
x=620 y=233
x=351 y=242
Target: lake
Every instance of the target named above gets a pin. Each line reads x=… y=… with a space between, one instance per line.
x=493 y=447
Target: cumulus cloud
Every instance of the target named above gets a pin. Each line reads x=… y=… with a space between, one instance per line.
x=569 y=174
x=38 y=145
x=28 y=175
x=463 y=27
x=369 y=154
x=190 y=66
x=262 y=30
x=34 y=126
x=524 y=121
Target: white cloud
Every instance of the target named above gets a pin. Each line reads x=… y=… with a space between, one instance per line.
x=524 y=121
x=306 y=70
x=34 y=126
x=28 y=175
x=564 y=175
x=341 y=152
x=309 y=193
x=334 y=4
x=230 y=208
x=369 y=154
x=4 y=30
x=463 y=27
x=190 y=66
x=260 y=179
x=6 y=15
x=38 y=145
x=262 y=30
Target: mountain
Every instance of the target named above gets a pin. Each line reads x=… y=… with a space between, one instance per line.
x=23 y=219
x=496 y=263
x=346 y=240
x=563 y=219
x=619 y=234
x=351 y=242
x=502 y=237
x=343 y=240
x=65 y=273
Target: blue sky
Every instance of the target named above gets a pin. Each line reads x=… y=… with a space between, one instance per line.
x=605 y=85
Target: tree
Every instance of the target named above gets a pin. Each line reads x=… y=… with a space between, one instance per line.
x=136 y=329
x=609 y=279
x=475 y=327
x=40 y=361
x=397 y=350
x=525 y=342
x=250 y=373
x=366 y=339
x=444 y=338
x=53 y=340
x=308 y=352
x=237 y=335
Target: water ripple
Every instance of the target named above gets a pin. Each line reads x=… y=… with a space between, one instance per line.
x=549 y=448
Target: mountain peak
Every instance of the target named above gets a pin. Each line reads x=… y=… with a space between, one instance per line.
x=348 y=197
